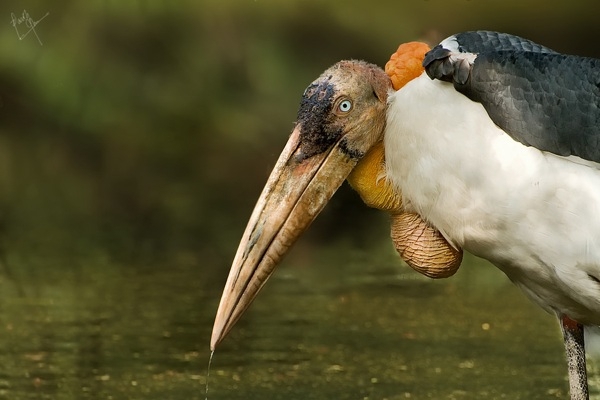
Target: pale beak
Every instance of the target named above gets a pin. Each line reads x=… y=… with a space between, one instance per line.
x=296 y=191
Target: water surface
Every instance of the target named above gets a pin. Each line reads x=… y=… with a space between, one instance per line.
x=333 y=323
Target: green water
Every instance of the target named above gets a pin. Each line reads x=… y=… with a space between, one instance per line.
x=331 y=324
x=371 y=329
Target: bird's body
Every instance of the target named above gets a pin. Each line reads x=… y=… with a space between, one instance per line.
x=491 y=143
x=543 y=209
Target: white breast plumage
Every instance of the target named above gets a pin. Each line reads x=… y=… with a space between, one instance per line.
x=531 y=213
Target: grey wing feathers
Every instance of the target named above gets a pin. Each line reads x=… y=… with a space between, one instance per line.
x=483 y=41
x=439 y=65
x=540 y=98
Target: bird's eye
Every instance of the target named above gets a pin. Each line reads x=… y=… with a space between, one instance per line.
x=345 y=106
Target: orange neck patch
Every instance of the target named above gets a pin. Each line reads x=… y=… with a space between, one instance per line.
x=406 y=63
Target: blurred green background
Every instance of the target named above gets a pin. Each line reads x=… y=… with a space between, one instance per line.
x=135 y=137
x=143 y=127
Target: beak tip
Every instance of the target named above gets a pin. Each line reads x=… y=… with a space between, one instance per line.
x=217 y=333
x=215 y=339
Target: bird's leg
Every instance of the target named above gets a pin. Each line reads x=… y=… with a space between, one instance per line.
x=575 y=349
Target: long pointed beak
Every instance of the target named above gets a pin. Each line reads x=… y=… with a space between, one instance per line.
x=296 y=191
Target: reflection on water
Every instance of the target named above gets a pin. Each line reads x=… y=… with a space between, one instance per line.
x=330 y=325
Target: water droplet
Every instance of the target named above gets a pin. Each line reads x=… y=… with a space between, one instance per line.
x=208 y=374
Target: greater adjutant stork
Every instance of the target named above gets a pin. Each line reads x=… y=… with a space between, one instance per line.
x=489 y=143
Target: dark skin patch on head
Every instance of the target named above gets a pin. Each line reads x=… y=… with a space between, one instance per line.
x=314 y=116
x=352 y=153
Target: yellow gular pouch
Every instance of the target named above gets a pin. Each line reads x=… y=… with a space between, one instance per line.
x=421 y=246
x=368 y=179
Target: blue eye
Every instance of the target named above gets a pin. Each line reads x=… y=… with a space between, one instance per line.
x=345 y=106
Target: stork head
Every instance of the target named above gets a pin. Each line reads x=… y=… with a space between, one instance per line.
x=341 y=116
x=338 y=135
